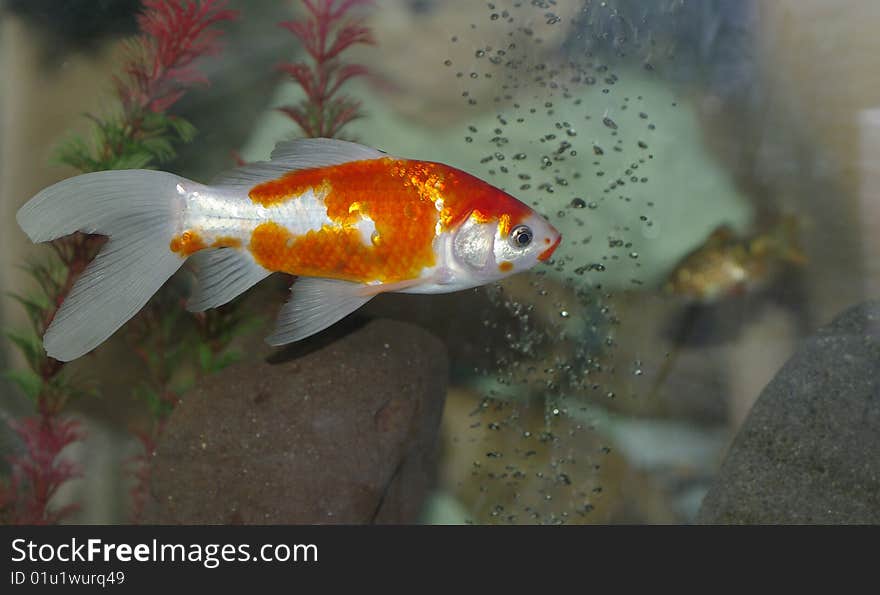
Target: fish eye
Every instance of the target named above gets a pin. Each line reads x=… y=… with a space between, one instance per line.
x=521 y=236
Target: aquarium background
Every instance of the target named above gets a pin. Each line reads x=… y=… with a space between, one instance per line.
x=710 y=164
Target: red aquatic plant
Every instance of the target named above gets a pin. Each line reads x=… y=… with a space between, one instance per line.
x=38 y=471
x=326 y=31
x=160 y=66
x=158 y=69
x=141 y=471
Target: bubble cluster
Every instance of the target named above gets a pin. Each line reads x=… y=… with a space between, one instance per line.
x=567 y=139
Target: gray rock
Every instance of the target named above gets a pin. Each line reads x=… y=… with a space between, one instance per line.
x=809 y=450
x=336 y=430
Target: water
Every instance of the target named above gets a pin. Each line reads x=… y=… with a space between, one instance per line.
x=713 y=186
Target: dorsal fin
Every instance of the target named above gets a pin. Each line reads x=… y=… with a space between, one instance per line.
x=304 y=153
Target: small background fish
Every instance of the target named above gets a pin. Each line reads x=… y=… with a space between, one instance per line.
x=728 y=264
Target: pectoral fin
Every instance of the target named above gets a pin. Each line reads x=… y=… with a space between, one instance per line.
x=317 y=303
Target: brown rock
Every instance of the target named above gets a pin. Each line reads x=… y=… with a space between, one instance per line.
x=341 y=429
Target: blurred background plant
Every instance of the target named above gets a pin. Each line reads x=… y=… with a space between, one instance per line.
x=176 y=348
x=157 y=70
x=326 y=32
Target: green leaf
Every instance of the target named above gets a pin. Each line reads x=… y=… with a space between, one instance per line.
x=160 y=147
x=35 y=305
x=76 y=153
x=184 y=129
x=227 y=358
x=30 y=346
x=154 y=120
x=151 y=397
x=169 y=320
x=249 y=324
x=27 y=380
x=134 y=160
x=43 y=275
x=75 y=392
x=205 y=357
x=182 y=386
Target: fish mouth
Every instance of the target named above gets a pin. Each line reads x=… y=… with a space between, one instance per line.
x=543 y=256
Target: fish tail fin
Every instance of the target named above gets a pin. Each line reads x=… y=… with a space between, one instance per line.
x=139 y=210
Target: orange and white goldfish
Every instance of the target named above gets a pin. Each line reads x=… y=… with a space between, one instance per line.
x=349 y=221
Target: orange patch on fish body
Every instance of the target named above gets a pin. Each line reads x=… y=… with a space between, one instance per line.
x=336 y=253
x=323 y=180
x=468 y=196
x=460 y=192
x=187 y=243
x=226 y=242
x=404 y=200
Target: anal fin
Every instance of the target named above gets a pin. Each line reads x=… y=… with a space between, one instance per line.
x=316 y=304
x=222 y=274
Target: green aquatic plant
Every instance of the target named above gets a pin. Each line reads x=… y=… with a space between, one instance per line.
x=158 y=69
